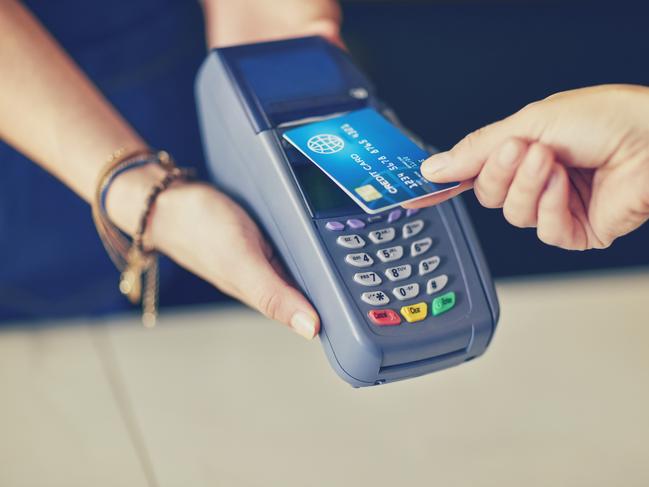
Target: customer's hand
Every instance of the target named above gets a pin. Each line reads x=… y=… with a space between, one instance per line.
x=231 y=22
x=208 y=234
x=575 y=166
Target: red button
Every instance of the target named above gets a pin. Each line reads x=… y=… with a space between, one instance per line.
x=384 y=317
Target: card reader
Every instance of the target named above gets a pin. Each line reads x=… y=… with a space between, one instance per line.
x=400 y=293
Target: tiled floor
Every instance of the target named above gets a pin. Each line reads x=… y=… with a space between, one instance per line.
x=221 y=397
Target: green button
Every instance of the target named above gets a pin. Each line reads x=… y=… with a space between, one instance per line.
x=443 y=303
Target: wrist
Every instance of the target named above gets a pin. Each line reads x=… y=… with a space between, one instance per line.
x=165 y=220
x=183 y=209
x=127 y=195
x=248 y=21
x=131 y=195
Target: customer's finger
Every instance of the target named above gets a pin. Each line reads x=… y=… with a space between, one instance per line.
x=499 y=172
x=492 y=184
x=438 y=198
x=521 y=203
x=555 y=224
x=466 y=159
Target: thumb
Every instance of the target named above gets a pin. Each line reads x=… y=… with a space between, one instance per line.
x=466 y=159
x=261 y=286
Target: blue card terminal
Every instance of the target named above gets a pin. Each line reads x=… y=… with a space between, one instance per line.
x=399 y=293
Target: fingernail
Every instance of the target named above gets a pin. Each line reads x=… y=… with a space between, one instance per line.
x=509 y=154
x=435 y=164
x=304 y=324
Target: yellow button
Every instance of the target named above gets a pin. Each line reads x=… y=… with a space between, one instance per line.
x=415 y=312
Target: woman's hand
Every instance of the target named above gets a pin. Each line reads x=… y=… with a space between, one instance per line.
x=231 y=22
x=207 y=233
x=575 y=166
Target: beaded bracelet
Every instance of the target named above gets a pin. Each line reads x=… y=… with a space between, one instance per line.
x=138 y=266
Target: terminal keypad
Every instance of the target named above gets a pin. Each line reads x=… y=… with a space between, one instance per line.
x=397 y=267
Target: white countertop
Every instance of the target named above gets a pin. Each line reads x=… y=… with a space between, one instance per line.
x=222 y=397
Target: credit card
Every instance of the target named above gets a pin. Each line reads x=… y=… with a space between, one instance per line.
x=373 y=161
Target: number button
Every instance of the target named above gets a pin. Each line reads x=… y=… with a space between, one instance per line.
x=421 y=246
x=390 y=254
x=415 y=312
x=351 y=241
x=367 y=278
x=399 y=272
x=408 y=291
x=436 y=284
x=359 y=260
x=383 y=235
x=428 y=265
x=384 y=317
x=375 y=298
x=413 y=228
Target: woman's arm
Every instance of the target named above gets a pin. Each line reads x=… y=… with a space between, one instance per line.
x=52 y=113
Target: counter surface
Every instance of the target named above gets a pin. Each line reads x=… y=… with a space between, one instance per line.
x=223 y=397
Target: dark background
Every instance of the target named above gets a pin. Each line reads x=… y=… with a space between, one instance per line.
x=446 y=69
x=450 y=68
